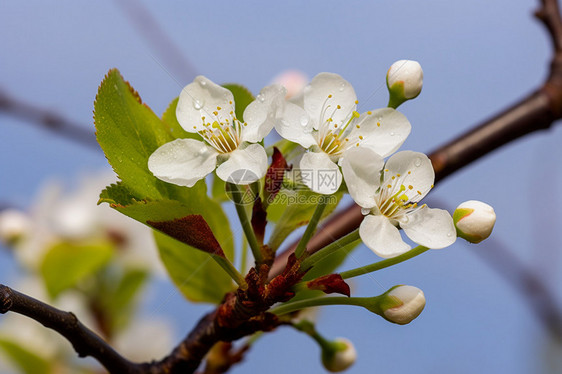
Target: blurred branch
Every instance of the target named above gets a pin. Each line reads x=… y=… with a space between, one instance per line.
x=525 y=281
x=223 y=356
x=84 y=341
x=535 y=112
x=181 y=69
x=47 y=119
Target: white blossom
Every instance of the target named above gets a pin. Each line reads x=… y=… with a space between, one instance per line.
x=57 y=215
x=14 y=225
x=229 y=145
x=388 y=194
x=327 y=124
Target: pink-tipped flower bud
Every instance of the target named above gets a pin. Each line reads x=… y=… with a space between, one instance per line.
x=293 y=80
x=474 y=220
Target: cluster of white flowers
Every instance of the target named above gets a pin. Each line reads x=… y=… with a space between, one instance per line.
x=337 y=140
x=57 y=215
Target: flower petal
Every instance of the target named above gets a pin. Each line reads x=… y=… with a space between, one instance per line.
x=261 y=114
x=361 y=169
x=244 y=166
x=414 y=171
x=324 y=94
x=384 y=130
x=203 y=98
x=320 y=173
x=432 y=228
x=183 y=161
x=296 y=126
x=382 y=237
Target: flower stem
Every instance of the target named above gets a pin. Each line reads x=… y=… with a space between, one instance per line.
x=393 y=102
x=384 y=263
x=237 y=197
x=231 y=270
x=244 y=256
x=319 y=301
x=331 y=248
x=308 y=328
x=301 y=247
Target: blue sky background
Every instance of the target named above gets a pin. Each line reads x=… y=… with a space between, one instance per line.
x=478 y=56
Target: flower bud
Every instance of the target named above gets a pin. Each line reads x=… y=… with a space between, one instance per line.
x=404 y=80
x=474 y=220
x=338 y=355
x=403 y=304
x=293 y=80
x=14 y=224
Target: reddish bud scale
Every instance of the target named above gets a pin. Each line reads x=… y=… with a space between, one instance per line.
x=259 y=220
x=331 y=283
x=274 y=175
x=279 y=289
x=192 y=230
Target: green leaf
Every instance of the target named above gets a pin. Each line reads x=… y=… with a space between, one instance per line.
x=218 y=190
x=189 y=267
x=329 y=264
x=197 y=276
x=242 y=97
x=119 y=299
x=116 y=193
x=65 y=264
x=27 y=361
x=292 y=209
x=129 y=132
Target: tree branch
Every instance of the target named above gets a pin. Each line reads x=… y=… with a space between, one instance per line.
x=48 y=120
x=535 y=112
x=84 y=341
x=526 y=282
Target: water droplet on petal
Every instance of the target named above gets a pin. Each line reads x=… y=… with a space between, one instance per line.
x=449 y=234
x=198 y=104
x=261 y=98
x=365 y=211
x=417 y=161
x=203 y=83
x=304 y=121
x=342 y=87
x=392 y=134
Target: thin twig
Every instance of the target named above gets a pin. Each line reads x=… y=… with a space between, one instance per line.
x=85 y=342
x=525 y=281
x=48 y=120
x=181 y=69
